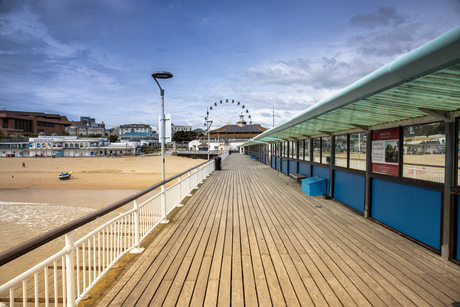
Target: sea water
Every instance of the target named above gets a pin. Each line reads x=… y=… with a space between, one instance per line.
x=20 y=222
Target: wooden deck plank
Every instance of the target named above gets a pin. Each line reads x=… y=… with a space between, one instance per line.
x=249 y=236
x=360 y=300
x=331 y=278
x=397 y=267
x=309 y=221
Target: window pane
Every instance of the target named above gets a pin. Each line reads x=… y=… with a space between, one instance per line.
x=341 y=150
x=316 y=150
x=307 y=150
x=293 y=150
x=358 y=151
x=326 y=152
x=424 y=152
x=301 y=146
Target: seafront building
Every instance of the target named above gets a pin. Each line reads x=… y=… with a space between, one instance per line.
x=18 y=123
x=14 y=147
x=73 y=146
x=140 y=138
x=137 y=128
x=175 y=128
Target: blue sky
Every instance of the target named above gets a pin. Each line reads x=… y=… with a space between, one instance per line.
x=95 y=57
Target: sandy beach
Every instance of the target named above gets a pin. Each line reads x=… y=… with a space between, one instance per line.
x=91 y=173
x=95 y=183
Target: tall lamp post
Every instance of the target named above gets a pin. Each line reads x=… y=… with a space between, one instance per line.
x=208 y=124
x=162 y=75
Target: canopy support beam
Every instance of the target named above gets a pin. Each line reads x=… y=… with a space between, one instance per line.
x=444 y=116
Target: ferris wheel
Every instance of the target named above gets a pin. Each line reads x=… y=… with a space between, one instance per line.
x=227 y=112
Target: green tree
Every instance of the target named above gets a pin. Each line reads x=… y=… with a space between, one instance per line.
x=113 y=138
x=184 y=136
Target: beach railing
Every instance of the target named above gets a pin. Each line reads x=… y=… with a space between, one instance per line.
x=66 y=277
x=424 y=174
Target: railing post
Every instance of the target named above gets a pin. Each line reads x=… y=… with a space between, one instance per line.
x=180 y=193
x=163 y=205
x=70 y=268
x=137 y=249
x=189 y=189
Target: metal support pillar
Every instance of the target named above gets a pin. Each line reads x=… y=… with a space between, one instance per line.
x=448 y=184
x=367 y=184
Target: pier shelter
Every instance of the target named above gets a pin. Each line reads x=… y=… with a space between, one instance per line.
x=387 y=145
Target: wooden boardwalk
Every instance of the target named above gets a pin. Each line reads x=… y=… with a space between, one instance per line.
x=250 y=237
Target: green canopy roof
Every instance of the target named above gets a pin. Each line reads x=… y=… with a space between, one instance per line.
x=425 y=81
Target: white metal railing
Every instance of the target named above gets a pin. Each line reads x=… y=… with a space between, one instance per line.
x=66 y=277
x=424 y=174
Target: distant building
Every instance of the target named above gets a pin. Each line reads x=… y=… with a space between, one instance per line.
x=90 y=129
x=228 y=137
x=175 y=128
x=18 y=123
x=87 y=120
x=75 y=146
x=134 y=128
x=142 y=138
x=14 y=147
x=112 y=131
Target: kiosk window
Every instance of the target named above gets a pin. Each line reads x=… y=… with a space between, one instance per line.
x=317 y=150
x=358 y=151
x=424 y=150
x=341 y=150
x=326 y=150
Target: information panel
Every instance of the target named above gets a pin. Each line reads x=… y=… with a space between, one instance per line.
x=385 y=151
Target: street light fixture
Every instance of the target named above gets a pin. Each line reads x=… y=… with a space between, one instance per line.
x=208 y=124
x=162 y=75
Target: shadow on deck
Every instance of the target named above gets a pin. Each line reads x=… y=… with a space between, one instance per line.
x=250 y=237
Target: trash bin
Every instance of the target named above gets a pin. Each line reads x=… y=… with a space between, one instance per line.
x=218 y=162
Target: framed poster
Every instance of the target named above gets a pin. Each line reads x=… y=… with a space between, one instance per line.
x=385 y=151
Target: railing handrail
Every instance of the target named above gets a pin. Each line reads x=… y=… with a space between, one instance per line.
x=25 y=247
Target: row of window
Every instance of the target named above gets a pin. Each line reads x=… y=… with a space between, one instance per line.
x=13 y=145
x=422 y=150
x=40 y=124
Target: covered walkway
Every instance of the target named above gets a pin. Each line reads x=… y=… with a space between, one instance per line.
x=249 y=236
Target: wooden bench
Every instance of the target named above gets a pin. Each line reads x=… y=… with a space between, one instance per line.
x=298 y=177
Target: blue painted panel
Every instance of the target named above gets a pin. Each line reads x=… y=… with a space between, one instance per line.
x=458 y=230
x=412 y=210
x=349 y=189
x=284 y=164
x=292 y=166
x=277 y=166
x=322 y=172
x=304 y=169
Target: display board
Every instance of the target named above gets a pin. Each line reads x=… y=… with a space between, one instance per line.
x=385 y=151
